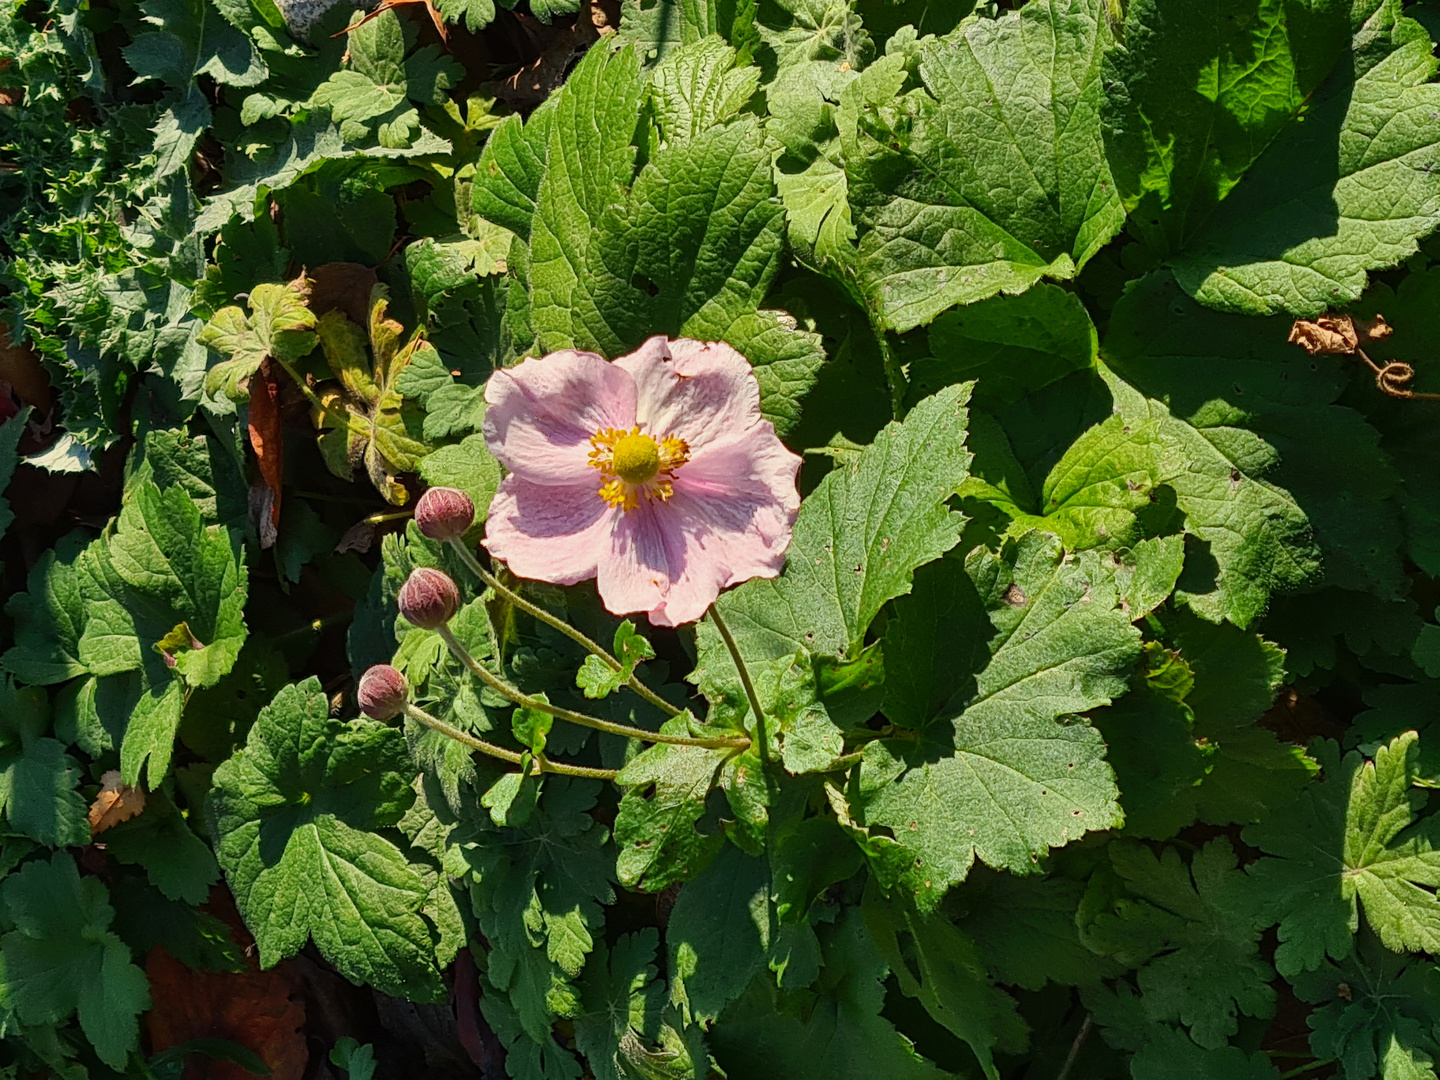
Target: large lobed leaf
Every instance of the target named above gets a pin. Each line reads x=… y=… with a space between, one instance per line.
x=998 y=654
x=295 y=815
x=858 y=539
x=997 y=176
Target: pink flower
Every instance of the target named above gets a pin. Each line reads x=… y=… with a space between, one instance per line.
x=653 y=474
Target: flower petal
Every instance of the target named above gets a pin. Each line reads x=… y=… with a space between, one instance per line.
x=726 y=523
x=699 y=391
x=636 y=565
x=549 y=533
x=541 y=414
x=754 y=466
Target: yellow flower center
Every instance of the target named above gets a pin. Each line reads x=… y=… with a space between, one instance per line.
x=635 y=464
x=636 y=458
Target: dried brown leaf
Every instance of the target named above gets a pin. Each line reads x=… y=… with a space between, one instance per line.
x=263 y=1011
x=115 y=802
x=1328 y=334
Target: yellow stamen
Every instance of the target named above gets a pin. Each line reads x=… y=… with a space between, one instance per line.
x=635 y=464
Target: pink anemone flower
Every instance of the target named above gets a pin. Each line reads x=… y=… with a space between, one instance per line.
x=654 y=474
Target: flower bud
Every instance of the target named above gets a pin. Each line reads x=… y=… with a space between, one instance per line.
x=444 y=514
x=429 y=598
x=382 y=693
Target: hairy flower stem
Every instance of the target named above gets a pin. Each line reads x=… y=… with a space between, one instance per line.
x=535 y=611
x=745 y=680
x=537 y=766
x=623 y=730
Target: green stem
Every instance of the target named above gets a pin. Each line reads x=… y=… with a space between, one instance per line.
x=520 y=698
x=894 y=375
x=1080 y=1037
x=468 y=558
x=745 y=681
x=538 y=765
x=1303 y=1069
x=342 y=416
x=380 y=519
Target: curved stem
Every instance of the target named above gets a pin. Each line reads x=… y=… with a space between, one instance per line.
x=468 y=558
x=538 y=765
x=745 y=681
x=625 y=731
x=342 y=415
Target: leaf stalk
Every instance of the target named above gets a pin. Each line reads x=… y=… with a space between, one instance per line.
x=625 y=731
x=538 y=764
x=535 y=611
x=745 y=680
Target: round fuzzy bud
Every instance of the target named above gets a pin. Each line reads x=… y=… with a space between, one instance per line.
x=382 y=693
x=429 y=598
x=444 y=514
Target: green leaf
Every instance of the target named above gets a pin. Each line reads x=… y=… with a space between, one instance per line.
x=719 y=933
x=294 y=816
x=279 y=325
x=1376 y=1012
x=1199 y=92
x=941 y=225
x=49 y=617
x=356 y=1059
x=176 y=861
x=507 y=180
x=38 y=779
x=1194 y=934
x=842 y=1036
x=656 y=827
x=201 y=464
x=858 y=539
x=941 y=968
x=381 y=82
x=797 y=31
x=577 y=300
x=698 y=86
x=705 y=229
x=1352 y=841
x=1396 y=708
x=1010 y=345
x=598 y=679
x=1310 y=221
x=192 y=41
x=1258 y=536
x=1026 y=931
x=626 y=1029
x=1003 y=771
x=468 y=466
x=61 y=958
x=537 y=890
x=477 y=14
x=10 y=433
x=162 y=551
x=657 y=29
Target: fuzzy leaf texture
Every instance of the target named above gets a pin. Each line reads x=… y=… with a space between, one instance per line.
x=943 y=221
x=295 y=815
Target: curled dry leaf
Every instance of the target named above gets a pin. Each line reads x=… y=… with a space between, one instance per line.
x=115 y=802
x=1333 y=334
x=267 y=433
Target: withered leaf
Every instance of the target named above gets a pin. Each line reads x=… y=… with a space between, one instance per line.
x=115 y=802
x=1337 y=334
